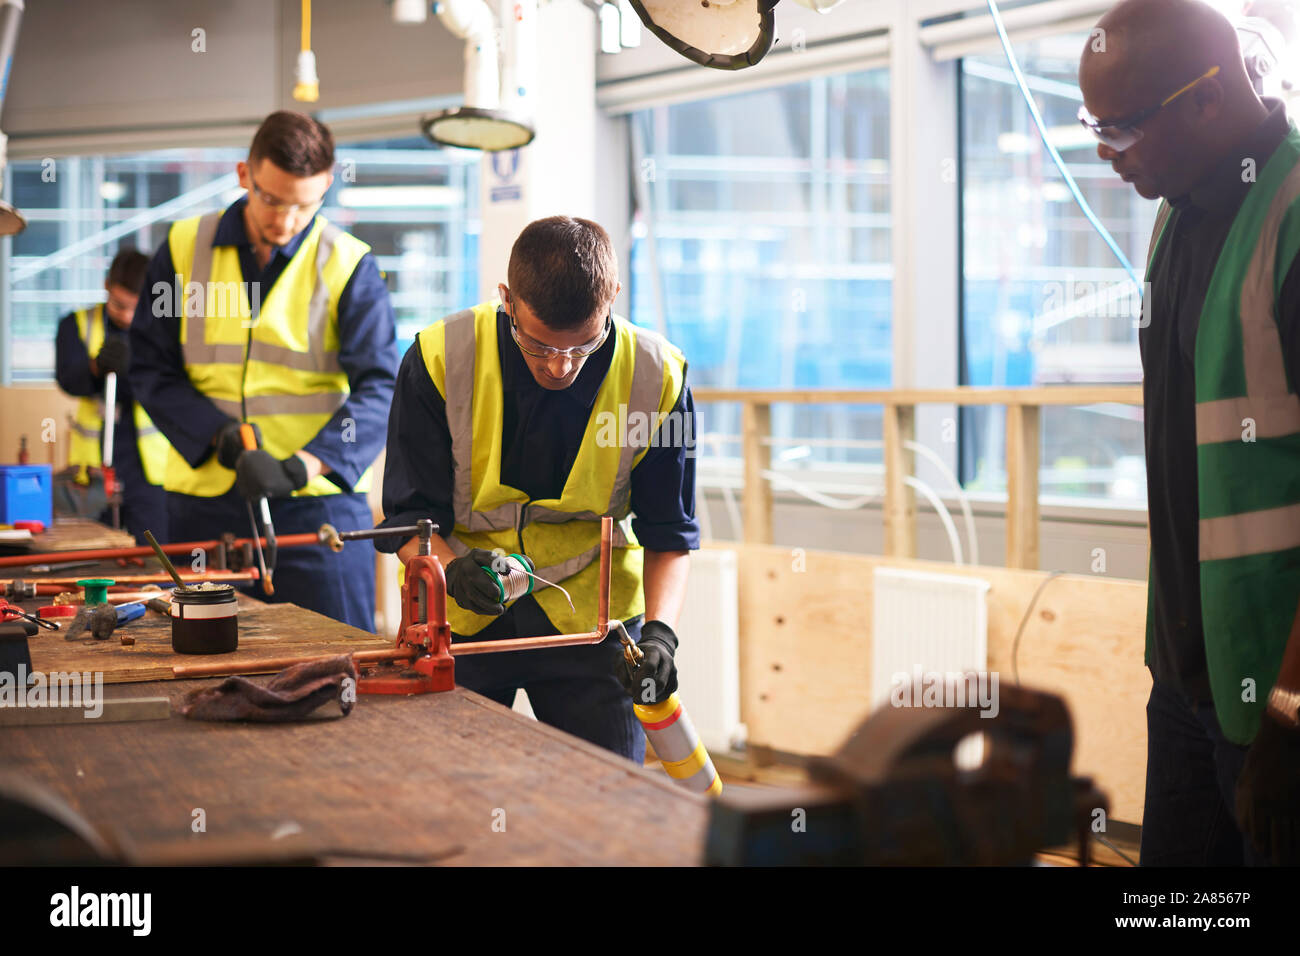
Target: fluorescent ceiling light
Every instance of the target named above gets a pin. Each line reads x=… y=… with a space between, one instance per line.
x=470 y=128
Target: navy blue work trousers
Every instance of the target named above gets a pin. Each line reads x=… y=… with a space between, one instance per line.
x=572 y=688
x=1192 y=769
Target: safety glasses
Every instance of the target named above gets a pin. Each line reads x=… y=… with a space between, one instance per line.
x=1122 y=134
x=278 y=206
x=530 y=346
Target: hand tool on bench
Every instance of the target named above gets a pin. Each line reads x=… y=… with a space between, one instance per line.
x=11 y=612
x=249 y=438
x=106 y=458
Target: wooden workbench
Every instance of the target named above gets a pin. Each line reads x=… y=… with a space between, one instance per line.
x=420 y=779
x=450 y=777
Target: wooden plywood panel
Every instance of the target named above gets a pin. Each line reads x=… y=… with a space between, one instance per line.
x=805 y=649
x=28 y=410
x=805 y=621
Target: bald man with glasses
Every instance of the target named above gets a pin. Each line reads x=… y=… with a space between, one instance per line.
x=516 y=425
x=1169 y=97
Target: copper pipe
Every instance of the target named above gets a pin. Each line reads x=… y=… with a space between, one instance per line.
x=114 y=597
x=269 y=664
x=526 y=643
x=602 y=600
x=57 y=585
x=436 y=610
x=22 y=560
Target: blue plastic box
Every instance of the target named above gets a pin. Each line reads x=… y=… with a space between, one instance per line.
x=26 y=493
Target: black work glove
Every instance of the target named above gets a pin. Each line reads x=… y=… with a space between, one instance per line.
x=114 y=356
x=658 y=643
x=470 y=584
x=259 y=474
x=1268 y=792
x=230 y=446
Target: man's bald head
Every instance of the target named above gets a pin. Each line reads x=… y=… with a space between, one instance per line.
x=1143 y=51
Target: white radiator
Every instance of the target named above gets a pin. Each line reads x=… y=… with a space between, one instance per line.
x=927 y=624
x=708 y=655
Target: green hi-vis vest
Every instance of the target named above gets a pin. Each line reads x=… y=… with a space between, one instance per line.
x=276 y=366
x=562 y=536
x=1248 y=450
x=86 y=447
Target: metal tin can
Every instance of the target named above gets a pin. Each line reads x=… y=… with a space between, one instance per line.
x=205 y=620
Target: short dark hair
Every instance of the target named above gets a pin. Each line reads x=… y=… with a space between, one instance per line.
x=128 y=269
x=296 y=142
x=565 y=269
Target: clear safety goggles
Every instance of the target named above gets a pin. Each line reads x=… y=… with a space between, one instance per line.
x=1122 y=134
x=530 y=346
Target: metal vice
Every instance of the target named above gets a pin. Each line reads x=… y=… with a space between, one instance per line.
x=424 y=633
x=424 y=638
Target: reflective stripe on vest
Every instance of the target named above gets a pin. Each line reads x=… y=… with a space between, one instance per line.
x=1248 y=450
x=86 y=446
x=271 y=360
x=562 y=536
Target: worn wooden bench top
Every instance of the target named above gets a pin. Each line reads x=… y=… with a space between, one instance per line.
x=450 y=777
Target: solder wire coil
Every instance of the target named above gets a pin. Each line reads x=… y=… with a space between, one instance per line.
x=516 y=582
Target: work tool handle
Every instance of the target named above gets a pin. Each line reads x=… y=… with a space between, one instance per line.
x=248 y=436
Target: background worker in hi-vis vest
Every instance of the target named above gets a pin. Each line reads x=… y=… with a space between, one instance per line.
x=267 y=313
x=1167 y=93
x=90 y=343
x=516 y=425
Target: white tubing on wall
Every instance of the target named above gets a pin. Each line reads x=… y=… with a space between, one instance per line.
x=519 y=69
x=473 y=22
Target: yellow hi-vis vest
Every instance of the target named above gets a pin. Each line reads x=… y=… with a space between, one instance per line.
x=562 y=536
x=276 y=366
x=86 y=447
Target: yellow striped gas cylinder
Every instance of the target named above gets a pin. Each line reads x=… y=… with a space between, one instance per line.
x=678 y=746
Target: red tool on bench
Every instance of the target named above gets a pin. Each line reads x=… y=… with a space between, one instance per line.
x=424 y=630
x=424 y=637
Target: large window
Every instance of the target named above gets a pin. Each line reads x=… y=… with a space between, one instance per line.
x=417 y=207
x=762 y=246
x=1046 y=301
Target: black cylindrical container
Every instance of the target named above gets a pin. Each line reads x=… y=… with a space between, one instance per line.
x=204 y=620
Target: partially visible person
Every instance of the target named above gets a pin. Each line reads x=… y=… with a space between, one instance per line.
x=92 y=342
x=1167 y=93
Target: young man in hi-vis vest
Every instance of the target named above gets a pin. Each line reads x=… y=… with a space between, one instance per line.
x=1166 y=92
x=91 y=343
x=269 y=314
x=516 y=425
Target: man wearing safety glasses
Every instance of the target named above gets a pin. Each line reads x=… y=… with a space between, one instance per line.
x=267 y=314
x=1167 y=93
x=516 y=425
